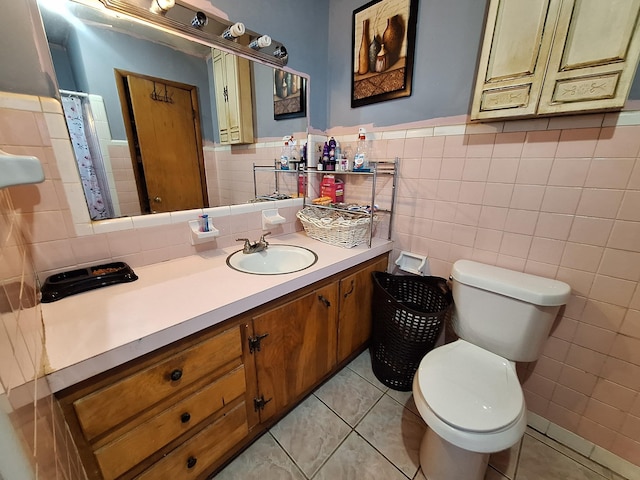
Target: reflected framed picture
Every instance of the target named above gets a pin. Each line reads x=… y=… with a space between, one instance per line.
x=289 y=95
x=383 y=42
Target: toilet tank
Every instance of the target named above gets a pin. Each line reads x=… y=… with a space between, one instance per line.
x=506 y=312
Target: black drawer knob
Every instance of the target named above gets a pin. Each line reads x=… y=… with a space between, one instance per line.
x=185 y=417
x=191 y=462
x=176 y=375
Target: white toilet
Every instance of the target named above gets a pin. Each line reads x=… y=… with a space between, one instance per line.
x=467 y=391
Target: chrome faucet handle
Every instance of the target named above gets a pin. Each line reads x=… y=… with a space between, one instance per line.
x=262 y=240
x=247 y=244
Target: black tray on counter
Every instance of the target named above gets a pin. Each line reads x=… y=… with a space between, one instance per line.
x=63 y=284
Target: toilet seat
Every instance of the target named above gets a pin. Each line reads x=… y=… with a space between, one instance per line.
x=470 y=388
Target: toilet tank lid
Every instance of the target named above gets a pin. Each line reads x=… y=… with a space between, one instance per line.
x=522 y=286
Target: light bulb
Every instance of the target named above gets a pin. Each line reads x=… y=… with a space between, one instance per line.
x=234 y=31
x=162 y=6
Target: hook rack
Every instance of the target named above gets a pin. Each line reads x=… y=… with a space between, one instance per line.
x=159 y=97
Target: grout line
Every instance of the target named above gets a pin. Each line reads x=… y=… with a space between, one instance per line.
x=289 y=456
x=568 y=453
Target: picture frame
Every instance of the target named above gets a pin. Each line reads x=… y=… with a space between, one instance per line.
x=289 y=95
x=383 y=43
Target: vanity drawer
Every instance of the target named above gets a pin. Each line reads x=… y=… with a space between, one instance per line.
x=200 y=452
x=108 y=407
x=128 y=450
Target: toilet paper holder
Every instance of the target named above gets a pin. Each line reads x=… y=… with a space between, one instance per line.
x=412 y=263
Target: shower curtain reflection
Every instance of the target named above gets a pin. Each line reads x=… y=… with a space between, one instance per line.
x=86 y=148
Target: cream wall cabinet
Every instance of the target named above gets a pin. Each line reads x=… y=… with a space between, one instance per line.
x=544 y=57
x=234 y=104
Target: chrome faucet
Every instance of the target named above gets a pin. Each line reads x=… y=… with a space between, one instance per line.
x=254 y=247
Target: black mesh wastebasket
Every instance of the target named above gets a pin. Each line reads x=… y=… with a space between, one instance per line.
x=408 y=316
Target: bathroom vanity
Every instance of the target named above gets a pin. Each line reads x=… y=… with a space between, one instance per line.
x=209 y=384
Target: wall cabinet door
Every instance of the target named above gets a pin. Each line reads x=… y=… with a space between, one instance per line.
x=514 y=57
x=354 y=317
x=297 y=347
x=594 y=57
x=542 y=57
x=234 y=107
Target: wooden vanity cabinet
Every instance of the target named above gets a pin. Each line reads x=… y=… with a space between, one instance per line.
x=186 y=409
x=161 y=409
x=354 y=311
x=296 y=349
x=297 y=344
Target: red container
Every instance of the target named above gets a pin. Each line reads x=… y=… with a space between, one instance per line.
x=332 y=188
x=302 y=185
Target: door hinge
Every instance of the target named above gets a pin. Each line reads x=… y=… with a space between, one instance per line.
x=254 y=342
x=259 y=403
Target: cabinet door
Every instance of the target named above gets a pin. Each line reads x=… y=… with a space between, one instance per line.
x=594 y=56
x=354 y=318
x=299 y=349
x=222 y=102
x=514 y=56
x=234 y=104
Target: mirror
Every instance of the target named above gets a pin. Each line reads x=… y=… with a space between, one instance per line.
x=99 y=56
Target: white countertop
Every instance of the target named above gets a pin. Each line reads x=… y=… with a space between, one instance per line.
x=91 y=332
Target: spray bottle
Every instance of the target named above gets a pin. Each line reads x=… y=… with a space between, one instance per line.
x=361 y=160
x=285 y=154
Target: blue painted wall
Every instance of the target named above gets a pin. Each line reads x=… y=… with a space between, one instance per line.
x=301 y=25
x=317 y=34
x=448 y=37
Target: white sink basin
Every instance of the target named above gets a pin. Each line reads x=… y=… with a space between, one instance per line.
x=275 y=260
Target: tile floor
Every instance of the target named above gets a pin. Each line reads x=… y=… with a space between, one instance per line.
x=353 y=427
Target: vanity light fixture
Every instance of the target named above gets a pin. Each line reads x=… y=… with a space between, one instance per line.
x=201 y=26
x=234 y=31
x=162 y=6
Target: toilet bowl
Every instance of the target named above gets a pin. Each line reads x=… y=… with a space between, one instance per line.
x=470 y=397
x=467 y=391
x=473 y=404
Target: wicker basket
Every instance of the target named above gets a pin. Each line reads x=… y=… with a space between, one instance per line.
x=408 y=315
x=337 y=227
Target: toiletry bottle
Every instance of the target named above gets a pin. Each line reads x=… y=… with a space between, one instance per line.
x=360 y=160
x=325 y=156
x=284 y=155
x=293 y=153
x=332 y=154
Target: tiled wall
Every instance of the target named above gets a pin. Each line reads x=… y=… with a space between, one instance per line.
x=553 y=197
x=557 y=197
x=124 y=178
x=42 y=445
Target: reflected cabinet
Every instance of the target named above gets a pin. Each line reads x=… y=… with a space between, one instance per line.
x=234 y=107
x=545 y=57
